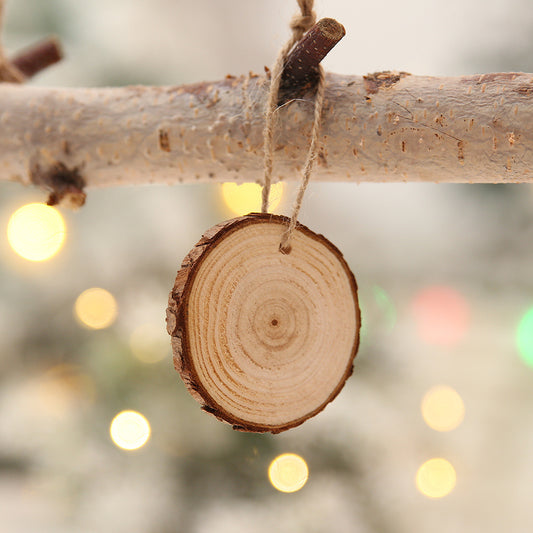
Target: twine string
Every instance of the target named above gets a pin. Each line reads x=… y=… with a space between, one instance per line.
x=300 y=23
x=8 y=72
x=285 y=245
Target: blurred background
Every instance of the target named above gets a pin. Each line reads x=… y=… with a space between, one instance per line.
x=434 y=430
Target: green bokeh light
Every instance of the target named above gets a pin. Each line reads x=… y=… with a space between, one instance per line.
x=386 y=307
x=378 y=314
x=524 y=337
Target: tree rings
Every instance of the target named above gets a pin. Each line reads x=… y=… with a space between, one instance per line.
x=263 y=340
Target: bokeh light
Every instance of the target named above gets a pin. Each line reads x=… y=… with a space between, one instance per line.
x=288 y=472
x=59 y=393
x=378 y=312
x=442 y=408
x=442 y=315
x=245 y=198
x=386 y=307
x=436 y=478
x=129 y=430
x=96 y=308
x=524 y=338
x=36 y=232
x=150 y=343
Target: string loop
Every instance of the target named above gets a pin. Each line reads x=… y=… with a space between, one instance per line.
x=300 y=23
x=285 y=246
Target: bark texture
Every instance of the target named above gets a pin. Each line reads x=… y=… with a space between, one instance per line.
x=263 y=340
x=381 y=127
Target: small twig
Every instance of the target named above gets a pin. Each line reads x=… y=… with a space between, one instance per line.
x=38 y=57
x=300 y=72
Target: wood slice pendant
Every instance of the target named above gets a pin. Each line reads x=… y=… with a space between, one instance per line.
x=263 y=340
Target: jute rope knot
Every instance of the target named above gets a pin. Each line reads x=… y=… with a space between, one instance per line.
x=299 y=25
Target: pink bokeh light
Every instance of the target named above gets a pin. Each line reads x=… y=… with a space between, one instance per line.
x=441 y=314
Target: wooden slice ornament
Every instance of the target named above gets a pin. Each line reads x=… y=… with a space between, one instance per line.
x=263 y=340
x=264 y=316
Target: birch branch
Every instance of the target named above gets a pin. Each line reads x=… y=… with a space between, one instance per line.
x=385 y=127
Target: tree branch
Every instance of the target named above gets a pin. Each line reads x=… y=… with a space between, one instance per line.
x=382 y=127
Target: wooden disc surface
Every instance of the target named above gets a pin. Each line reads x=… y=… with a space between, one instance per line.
x=263 y=340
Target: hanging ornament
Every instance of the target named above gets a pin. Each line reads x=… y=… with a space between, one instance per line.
x=264 y=315
x=263 y=340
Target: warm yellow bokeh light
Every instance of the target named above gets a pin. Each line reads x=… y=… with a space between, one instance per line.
x=36 y=232
x=57 y=394
x=288 y=472
x=149 y=343
x=96 y=308
x=442 y=408
x=436 y=478
x=129 y=430
x=246 y=197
